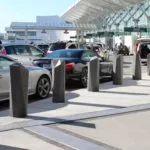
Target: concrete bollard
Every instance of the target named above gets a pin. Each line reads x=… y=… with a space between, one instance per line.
x=148 y=64
x=58 y=81
x=137 y=75
x=19 y=76
x=118 y=70
x=93 y=74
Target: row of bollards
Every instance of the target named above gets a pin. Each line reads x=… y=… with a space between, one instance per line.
x=19 y=76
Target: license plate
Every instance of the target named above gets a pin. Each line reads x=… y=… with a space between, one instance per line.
x=46 y=65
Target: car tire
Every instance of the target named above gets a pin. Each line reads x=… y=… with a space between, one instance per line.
x=43 y=87
x=84 y=76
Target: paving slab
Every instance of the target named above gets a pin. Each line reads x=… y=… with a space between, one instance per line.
x=126 y=132
x=20 y=140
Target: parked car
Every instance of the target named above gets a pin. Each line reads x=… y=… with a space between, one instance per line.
x=39 y=79
x=56 y=46
x=143 y=48
x=99 y=49
x=76 y=63
x=22 y=52
x=71 y=45
x=62 y=45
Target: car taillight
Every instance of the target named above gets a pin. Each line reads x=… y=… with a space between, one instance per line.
x=3 y=52
x=70 y=66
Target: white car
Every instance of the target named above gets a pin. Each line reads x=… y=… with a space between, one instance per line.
x=39 y=79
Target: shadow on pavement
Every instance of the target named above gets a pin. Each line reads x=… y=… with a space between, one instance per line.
x=81 y=124
x=3 y=147
x=63 y=121
x=48 y=105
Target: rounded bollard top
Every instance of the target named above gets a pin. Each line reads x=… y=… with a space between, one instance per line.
x=17 y=64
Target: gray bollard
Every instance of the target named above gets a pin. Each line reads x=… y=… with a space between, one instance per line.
x=148 y=64
x=137 y=75
x=58 y=81
x=93 y=74
x=118 y=69
x=19 y=76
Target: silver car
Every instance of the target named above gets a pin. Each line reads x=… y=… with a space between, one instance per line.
x=39 y=79
x=23 y=53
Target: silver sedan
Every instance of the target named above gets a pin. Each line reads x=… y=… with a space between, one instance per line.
x=39 y=79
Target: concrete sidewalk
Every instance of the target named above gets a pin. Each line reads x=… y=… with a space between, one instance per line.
x=80 y=104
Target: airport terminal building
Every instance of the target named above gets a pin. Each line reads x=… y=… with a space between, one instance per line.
x=46 y=29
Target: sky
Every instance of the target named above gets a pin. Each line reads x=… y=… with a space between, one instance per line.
x=27 y=10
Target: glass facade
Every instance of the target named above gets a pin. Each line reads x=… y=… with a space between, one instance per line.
x=133 y=16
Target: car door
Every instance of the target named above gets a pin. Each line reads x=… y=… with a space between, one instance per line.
x=4 y=78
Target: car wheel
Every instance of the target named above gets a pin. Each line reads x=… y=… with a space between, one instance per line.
x=43 y=87
x=84 y=76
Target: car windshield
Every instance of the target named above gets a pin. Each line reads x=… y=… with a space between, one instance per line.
x=65 y=54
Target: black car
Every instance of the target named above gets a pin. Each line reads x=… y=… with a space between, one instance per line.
x=76 y=63
x=57 y=46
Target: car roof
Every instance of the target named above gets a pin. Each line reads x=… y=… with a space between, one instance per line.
x=143 y=40
x=74 y=49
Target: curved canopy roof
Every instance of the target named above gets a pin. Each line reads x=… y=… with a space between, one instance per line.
x=84 y=11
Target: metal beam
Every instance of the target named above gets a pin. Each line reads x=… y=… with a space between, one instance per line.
x=132 y=15
x=143 y=12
